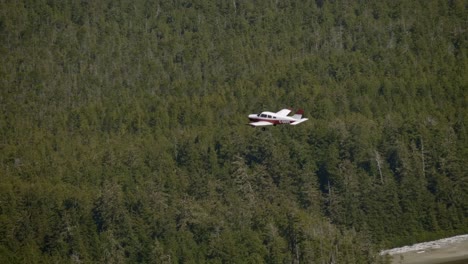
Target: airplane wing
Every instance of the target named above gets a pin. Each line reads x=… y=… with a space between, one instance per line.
x=283 y=112
x=261 y=123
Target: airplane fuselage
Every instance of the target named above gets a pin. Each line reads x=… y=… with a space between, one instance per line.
x=271 y=118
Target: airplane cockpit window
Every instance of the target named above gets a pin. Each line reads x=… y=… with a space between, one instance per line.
x=263 y=115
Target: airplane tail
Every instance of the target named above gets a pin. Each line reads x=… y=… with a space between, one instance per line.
x=298 y=114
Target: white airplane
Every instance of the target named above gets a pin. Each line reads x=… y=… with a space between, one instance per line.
x=273 y=119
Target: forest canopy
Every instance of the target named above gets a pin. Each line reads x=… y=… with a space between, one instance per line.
x=123 y=135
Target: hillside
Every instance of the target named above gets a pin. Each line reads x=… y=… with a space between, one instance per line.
x=123 y=135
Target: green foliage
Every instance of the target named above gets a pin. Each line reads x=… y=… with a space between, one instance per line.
x=122 y=136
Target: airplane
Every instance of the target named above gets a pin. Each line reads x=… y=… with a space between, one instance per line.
x=272 y=119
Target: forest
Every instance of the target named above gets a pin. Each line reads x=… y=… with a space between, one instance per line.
x=123 y=135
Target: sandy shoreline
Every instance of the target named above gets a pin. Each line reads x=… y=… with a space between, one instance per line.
x=453 y=250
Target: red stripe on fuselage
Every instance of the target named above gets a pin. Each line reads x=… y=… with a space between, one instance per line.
x=274 y=121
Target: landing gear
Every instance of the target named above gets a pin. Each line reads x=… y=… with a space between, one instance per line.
x=263 y=128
